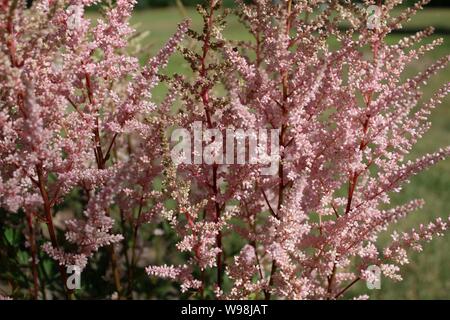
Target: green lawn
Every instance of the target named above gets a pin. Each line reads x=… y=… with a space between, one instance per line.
x=428 y=276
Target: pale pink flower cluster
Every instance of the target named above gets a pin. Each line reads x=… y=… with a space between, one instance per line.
x=347 y=122
x=181 y=274
x=69 y=93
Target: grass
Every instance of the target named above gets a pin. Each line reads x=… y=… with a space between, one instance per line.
x=428 y=275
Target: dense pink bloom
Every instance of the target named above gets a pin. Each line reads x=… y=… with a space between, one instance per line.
x=77 y=119
x=346 y=123
x=70 y=91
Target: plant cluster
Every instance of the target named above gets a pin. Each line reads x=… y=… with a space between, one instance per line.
x=86 y=173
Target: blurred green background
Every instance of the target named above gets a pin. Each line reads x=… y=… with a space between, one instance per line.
x=428 y=275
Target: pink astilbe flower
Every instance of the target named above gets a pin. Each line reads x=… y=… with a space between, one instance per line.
x=69 y=92
x=244 y=269
x=347 y=121
x=396 y=251
x=330 y=138
x=181 y=274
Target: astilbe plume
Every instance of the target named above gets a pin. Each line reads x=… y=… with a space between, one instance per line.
x=346 y=121
x=70 y=92
x=77 y=117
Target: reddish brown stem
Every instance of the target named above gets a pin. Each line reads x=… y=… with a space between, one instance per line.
x=281 y=185
x=101 y=161
x=355 y=175
x=331 y=280
x=347 y=287
x=33 y=250
x=205 y=100
x=133 y=248
x=51 y=227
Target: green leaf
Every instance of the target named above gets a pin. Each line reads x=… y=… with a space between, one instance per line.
x=23 y=257
x=9 y=236
x=170 y=204
x=48 y=265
